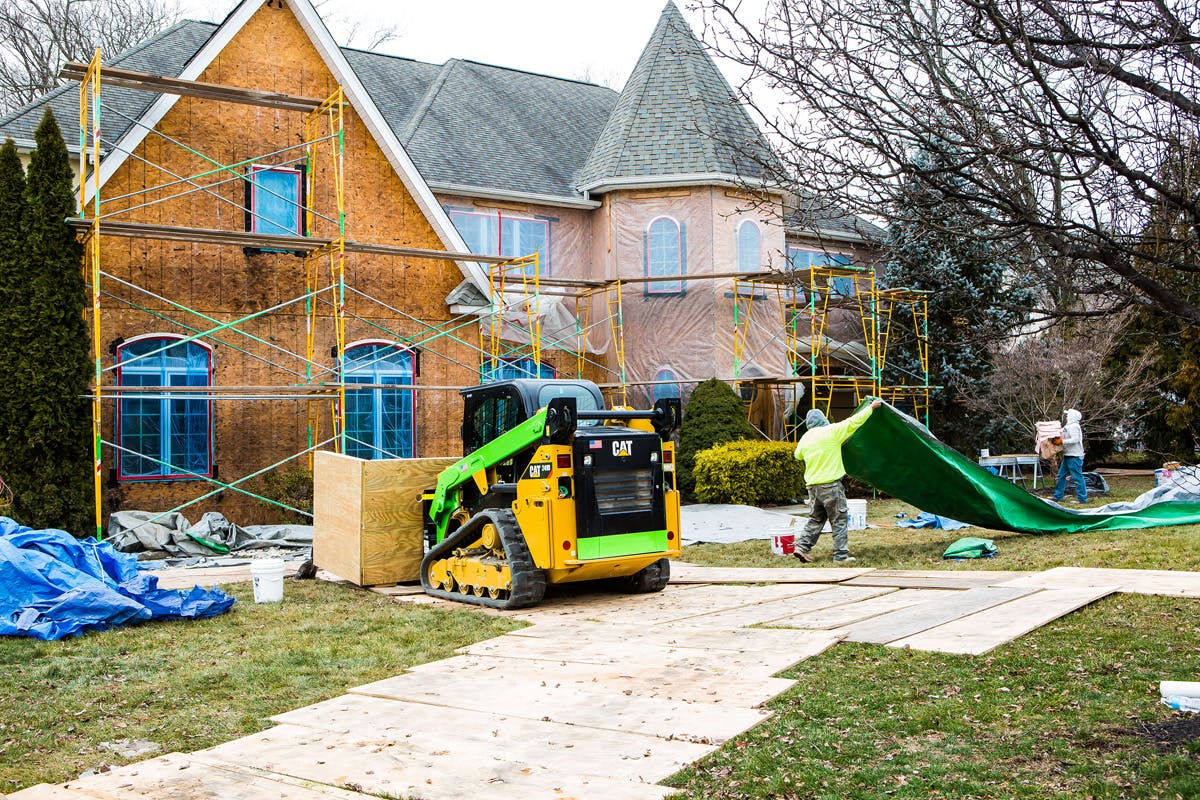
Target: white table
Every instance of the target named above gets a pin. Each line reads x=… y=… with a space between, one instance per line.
x=1010 y=466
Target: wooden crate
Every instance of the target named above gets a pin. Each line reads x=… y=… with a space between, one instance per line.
x=367 y=516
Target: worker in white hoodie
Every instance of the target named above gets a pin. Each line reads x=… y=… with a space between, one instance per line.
x=1072 y=458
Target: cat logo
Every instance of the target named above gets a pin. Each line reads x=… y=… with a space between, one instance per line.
x=622 y=447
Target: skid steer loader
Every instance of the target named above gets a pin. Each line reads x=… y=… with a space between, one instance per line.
x=553 y=488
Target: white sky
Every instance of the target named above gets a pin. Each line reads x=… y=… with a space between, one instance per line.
x=596 y=41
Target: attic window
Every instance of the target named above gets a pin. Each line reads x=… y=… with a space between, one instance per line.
x=495 y=234
x=275 y=200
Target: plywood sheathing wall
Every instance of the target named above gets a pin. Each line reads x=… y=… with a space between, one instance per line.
x=273 y=53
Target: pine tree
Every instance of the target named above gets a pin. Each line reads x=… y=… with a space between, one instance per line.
x=14 y=298
x=53 y=484
x=939 y=248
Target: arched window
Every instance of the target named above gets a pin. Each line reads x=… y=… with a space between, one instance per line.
x=666 y=254
x=749 y=247
x=164 y=434
x=662 y=388
x=380 y=421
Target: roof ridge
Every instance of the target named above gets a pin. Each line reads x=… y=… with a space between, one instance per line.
x=632 y=117
x=414 y=121
x=530 y=72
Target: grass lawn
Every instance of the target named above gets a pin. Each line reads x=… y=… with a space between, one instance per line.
x=190 y=685
x=1069 y=711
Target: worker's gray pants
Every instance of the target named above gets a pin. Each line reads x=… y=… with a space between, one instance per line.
x=828 y=501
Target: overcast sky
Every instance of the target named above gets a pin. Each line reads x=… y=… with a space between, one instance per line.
x=598 y=41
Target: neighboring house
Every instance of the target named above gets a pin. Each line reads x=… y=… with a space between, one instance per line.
x=665 y=179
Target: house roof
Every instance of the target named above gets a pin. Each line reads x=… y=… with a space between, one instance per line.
x=677 y=115
x=816 y=218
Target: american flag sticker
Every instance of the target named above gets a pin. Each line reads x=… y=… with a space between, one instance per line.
x=594 y=444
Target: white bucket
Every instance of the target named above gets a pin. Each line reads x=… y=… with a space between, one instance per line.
x=783 y=541
x=856 y=511
x=267 y=574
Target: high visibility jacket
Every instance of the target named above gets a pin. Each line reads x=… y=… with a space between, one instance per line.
x=821 y=448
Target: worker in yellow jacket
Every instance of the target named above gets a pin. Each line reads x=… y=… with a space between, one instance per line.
x=820 y=448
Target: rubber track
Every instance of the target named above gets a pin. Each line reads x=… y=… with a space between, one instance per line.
x=528 y=582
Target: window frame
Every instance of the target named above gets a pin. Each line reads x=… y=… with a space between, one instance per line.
x=519 y=362
x=164 y=399
x=792 y=250
x=254 y=219
x=676 y=387
x=758 y=257
x=680 y=288
x=496 y=246
x=374 y=447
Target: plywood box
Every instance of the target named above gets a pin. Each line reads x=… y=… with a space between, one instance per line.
x=367 y=516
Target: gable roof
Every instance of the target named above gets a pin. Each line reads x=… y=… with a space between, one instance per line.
x=677 y=116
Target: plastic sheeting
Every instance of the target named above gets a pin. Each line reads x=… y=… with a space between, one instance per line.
x=897 y=455
x=53 y=585
x=927 y=520
x=137 y=531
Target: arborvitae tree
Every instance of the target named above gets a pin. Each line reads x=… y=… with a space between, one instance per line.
x=714 y=415
x=969 y=305
x=14 y=298
x=53 y=484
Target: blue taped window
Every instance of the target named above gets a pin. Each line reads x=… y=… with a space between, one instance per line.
x=806 y=259
x=512 y=368
x=664 y=256
x=664 y=389
x=749 y=247
x=494 y=234
x=163 y=434
x=380 y=421
x=276 y=200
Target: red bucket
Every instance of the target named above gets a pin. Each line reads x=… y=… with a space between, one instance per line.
x=783 y=544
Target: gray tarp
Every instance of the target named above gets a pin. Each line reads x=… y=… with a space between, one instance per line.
x=136 y=531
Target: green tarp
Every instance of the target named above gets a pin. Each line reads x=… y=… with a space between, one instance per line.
x=902 y=459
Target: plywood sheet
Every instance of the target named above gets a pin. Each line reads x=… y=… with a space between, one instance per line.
x=597 y=752
x=1134 y=581
x=978 y=633
x=46 y=791
x=720 y=662
x=914 y=619
x=683 y=572
x=849 y=613
x=337 y=511
x=935 y=579
x=647 y=680
x=390 y=765
x=663 y=607
x=778 y=609
x=177 y=776
x=705 y=723
x=184 y=578
x=691 y=633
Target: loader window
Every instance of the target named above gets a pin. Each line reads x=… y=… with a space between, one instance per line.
x=493 y=416
x=584 y=400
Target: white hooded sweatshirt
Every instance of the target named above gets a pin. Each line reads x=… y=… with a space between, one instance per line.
x=1072 y=434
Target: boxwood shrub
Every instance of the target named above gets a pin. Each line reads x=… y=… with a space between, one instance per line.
x=749 y=473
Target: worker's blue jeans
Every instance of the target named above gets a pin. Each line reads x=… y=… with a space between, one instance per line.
x=1073 y=466
x=828 y=501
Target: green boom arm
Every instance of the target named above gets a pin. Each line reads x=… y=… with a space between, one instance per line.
x=445 y=498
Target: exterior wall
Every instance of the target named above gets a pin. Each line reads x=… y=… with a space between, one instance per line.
x=224 y=283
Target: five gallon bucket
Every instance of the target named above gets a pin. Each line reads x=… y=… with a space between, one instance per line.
x=783 y=541
x=856 y=510
x=267 y=574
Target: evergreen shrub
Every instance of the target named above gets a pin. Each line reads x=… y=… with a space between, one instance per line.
x=714 y=415
x=749 y=473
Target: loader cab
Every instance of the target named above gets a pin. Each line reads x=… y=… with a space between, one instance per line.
x=496 y=408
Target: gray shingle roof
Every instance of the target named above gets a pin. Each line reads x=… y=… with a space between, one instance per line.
x=677 y=115
x=813 y=216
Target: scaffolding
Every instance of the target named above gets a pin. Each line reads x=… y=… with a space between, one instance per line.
x=327 y=296
x=904 y=321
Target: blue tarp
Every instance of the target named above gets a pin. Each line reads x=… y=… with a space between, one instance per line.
x=54 y=585
x=927 y=520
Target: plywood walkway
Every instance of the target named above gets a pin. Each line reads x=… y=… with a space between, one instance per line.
x=604 y=696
